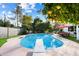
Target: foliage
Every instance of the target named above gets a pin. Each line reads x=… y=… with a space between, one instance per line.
x=1 y=23
x=62 y=12
x=35 y=24
x=40 y=27
x=72 y=38
x=23 y=30
x=26 y=24
x=5 y=24
x=4 y=40
x=26 y=21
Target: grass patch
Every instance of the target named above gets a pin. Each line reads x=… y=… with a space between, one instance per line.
x=2 y=41
x=13 y=36
x=71 y=37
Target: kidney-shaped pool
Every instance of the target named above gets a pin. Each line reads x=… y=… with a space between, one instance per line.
x=49 y=41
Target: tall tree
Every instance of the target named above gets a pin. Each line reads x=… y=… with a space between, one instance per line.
x=26 y=21
x=62 y=12
x=18 y=13
x=36 y=22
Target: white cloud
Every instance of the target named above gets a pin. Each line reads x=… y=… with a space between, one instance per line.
x=33 y=6
x=24 y=5
x=24 y=13
x=9 y=12
x=10 y=16
x=27 y=6
x=29 y=11
x=3 y=6
x=3 y=12
x=32 y=3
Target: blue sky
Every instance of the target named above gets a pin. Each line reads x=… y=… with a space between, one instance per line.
x=29 y=8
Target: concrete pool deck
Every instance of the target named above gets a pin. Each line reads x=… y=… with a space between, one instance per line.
x=13 y=48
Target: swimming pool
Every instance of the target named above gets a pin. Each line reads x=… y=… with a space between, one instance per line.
x=48 y=40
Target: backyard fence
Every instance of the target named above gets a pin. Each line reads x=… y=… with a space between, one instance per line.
x=7 y=32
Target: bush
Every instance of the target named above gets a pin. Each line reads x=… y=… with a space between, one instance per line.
x=23 y=31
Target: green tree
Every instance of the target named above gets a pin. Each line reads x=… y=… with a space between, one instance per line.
x=26 y=21
x=5 y=24
x=43 y=27
x=26 y=24
x=35 y=23
x=38 y=26
x=62 y=12
x=1 y=23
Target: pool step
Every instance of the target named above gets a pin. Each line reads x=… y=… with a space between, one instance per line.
x=39 y=49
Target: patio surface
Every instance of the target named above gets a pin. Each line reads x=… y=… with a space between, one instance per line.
x=13 y=48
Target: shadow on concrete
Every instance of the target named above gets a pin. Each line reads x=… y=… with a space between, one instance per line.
x=29 y=54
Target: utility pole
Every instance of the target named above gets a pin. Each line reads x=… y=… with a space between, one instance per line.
x=18 y=13
x=7 y=35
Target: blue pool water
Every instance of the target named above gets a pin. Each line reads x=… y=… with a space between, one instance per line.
x=49 y=41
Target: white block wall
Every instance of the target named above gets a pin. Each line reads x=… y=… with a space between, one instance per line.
x=12 y=31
